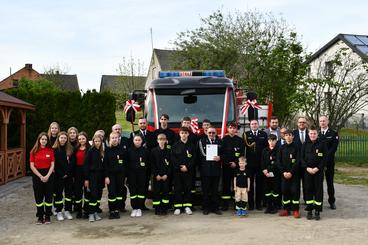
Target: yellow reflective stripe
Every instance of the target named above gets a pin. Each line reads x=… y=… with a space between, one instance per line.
x=226 y=197
x=275 y=195
x=118 y=198
x=39 y=204
x=310 y=201
x=93 y=204
x=139 y=196
x=156 y=203
x=165 y=201
x=286 y=202
x=133 y=197
x=318 y=203
x=99 y=201
x=78 y=201
x=193 y=191
x=59 y=202
x=86 y=200
x=178 y=205
x=187 y=205
x=112 y=200
x=48 y=204
x=296 y=202
x=68 y=199
x=268 y=194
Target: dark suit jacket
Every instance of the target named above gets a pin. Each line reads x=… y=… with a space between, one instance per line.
x=297 y=141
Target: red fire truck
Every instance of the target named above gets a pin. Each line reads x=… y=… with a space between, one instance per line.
x=201 y=94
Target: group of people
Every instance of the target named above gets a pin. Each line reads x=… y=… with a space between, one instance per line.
x=259 y=169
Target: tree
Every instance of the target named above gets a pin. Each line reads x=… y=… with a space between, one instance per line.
x=257 y=49
x=53 y=73
x=337 y=87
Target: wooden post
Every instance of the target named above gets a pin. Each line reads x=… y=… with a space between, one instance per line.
x=23 y=141
x=4 y=137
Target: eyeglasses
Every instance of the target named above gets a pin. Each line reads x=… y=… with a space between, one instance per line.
x=302 y=122
x=211 y=132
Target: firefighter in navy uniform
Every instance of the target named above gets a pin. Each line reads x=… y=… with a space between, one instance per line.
x=182 y=157
x=164 y=129
x=115 y=164
x=331 y=139
x=314 y=155
x=210 y=172
x=255 y=141
x=232 y=148
x=271 y=174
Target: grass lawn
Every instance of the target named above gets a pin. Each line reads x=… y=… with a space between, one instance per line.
x=127 y=126
x=353 y=132
x=351 y=174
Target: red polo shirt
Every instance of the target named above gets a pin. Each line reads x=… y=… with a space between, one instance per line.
x=80 y=154
x=42 y=158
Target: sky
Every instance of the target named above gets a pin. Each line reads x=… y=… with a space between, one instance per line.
x=91 y=38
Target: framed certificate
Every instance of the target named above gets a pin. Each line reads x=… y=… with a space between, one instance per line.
x=211 y=151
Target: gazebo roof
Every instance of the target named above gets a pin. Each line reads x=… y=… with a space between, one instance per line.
x=11 y=101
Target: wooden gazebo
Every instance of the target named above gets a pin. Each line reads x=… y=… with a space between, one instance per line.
x=12 y=161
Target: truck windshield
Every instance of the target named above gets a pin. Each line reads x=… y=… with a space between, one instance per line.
x=201 y=103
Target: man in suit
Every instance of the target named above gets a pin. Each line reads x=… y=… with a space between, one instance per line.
x=274 y=127
x=147 y=136
x=331 y=139
x=255 y=141
x=281 y=140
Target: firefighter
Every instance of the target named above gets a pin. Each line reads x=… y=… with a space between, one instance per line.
x=232 y=149
x=42 y=165
x=138 y=163
x=161 y=170
x=164 y=129
x=182 y=157
x=289 y=164
x=255 y=141
x=210 y=172
x=115 y=164
x=271 y=174
x=331 y=139
x=94 y=176
x=314 y=156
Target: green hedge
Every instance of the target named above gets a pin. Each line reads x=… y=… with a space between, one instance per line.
x=87 y=112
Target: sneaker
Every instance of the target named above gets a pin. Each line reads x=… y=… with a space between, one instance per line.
x=218 y=212
x=112 y=215
x=117 y=214
x=91 y=218
x=97 y=217
x=317 y=216
x=296 y=214
x=68 y=215
x=177 y=211
x=238 y=212
x=47 y=220
x=284 y=213
x=39 y=221
x=54 y=212
x=134 y=213
x=59 y=216
x=188 y=211
x=244 y=212
x=309 y=215
x=206 y=211
x=139 y=213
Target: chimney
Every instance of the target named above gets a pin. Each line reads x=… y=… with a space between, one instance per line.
x=57 y=72
x=28 y=66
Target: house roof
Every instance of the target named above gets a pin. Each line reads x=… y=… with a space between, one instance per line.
x=114 y=83
x=11 y=101
x=64 y=81
x=164 y=58
x=358 y=43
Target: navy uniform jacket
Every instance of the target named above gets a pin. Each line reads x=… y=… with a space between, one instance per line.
x=148 y=139
x=254 y=146
x=331 y=139
x=209 y=168
x=232 y=149
x=314 y=154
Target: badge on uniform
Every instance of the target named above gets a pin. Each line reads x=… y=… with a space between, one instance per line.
x=237 y=154
x=168 y=147
x=120 y=161
x=117 y=157
x=167 y=162
x=317 y=151
x=320 y=154
x=291 y=156
x=188 y=154
x=142 y=163
x=293 y=160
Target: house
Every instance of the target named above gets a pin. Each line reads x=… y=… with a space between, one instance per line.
x=161 y=60
x=121 y=84
x=354 y=50
x=64 y=81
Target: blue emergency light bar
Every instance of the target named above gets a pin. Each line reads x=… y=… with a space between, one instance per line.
x=214 y=73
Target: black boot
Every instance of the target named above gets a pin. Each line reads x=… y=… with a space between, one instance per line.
x=317 y=216
x=309 y=215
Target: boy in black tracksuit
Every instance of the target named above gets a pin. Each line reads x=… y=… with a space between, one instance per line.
x=138 y=162
x=94 y=176
x=161 y=170
x=210 y=170
x=232 y=148
x=314 y=156
x=289 y=165
x=182 y=157
x=271 y=174
x=115 y=164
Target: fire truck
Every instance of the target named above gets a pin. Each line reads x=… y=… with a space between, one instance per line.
x=200 y=94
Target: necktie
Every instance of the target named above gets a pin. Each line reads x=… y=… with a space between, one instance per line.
x=323 y=132
x=302 y=137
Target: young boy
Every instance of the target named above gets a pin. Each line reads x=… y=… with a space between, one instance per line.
x=161 y=170
x=241 y=188
x=288 y=162
x=271 y=174
x=182 y=157
x=313 y=160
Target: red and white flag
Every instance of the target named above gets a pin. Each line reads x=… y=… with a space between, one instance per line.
x=247 y=104
x=194 y=125
x=131 y=104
